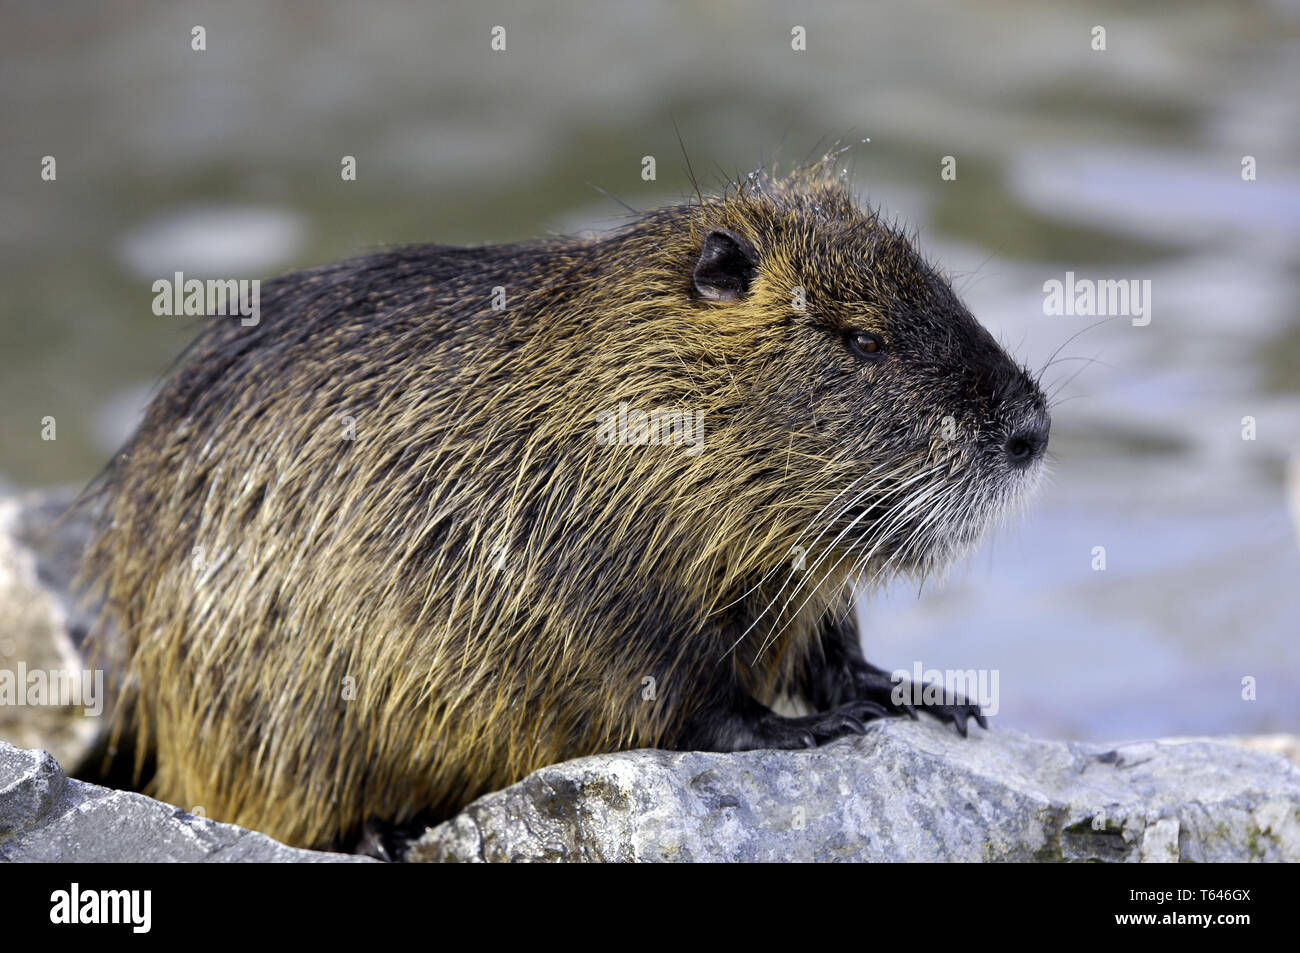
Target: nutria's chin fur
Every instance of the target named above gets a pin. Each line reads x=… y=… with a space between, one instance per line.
x=377 y=556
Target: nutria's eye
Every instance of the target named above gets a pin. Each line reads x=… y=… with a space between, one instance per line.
x=866 y=345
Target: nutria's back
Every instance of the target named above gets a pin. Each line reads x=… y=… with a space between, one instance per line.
x=446 y=515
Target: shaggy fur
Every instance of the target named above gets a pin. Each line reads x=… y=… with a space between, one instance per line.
x=318 y=631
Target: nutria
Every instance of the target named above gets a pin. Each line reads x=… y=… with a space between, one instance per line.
x=446 y=515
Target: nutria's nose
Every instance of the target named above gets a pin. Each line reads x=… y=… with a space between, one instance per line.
x=1028 y=443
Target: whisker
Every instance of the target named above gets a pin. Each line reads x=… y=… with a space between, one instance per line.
x=1072 y=337
x=1068 y=381
x=896 y=513
x=830 y=523
x=767 y=575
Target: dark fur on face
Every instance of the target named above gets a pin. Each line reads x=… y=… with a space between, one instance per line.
x=479 y=583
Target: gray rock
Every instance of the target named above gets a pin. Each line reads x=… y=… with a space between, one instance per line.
x=46 y=816
x=42 y=628
x=55 y=530
x=903 y=791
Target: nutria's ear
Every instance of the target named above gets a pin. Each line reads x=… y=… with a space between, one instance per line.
x=726 y=266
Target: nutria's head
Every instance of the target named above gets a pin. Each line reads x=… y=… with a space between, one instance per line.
x=858 y=410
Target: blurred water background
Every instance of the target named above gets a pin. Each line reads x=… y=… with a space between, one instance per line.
x=1117 y=164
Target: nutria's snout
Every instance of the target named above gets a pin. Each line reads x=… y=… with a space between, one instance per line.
x=1028 y=441
x=1023 y=423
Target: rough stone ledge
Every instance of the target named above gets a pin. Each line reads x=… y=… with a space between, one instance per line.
x=905 y=790
x=46 y=816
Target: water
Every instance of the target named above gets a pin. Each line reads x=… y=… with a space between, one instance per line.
x=1117 y=164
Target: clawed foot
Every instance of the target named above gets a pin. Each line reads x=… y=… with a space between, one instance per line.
x=880 y=687
x=811 y=731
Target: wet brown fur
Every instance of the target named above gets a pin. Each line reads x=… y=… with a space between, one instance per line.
x=473 y=587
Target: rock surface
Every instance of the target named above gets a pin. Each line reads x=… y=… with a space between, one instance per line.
x=41 y=626
x=47 y=817
x=905 y=790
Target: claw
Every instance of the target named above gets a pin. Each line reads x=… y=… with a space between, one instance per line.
x=880 y=711
x=959 y=719
x=878 y=685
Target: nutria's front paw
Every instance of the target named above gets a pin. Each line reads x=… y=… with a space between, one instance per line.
x=958 y=714
x=811 y=731
x=904 y=698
